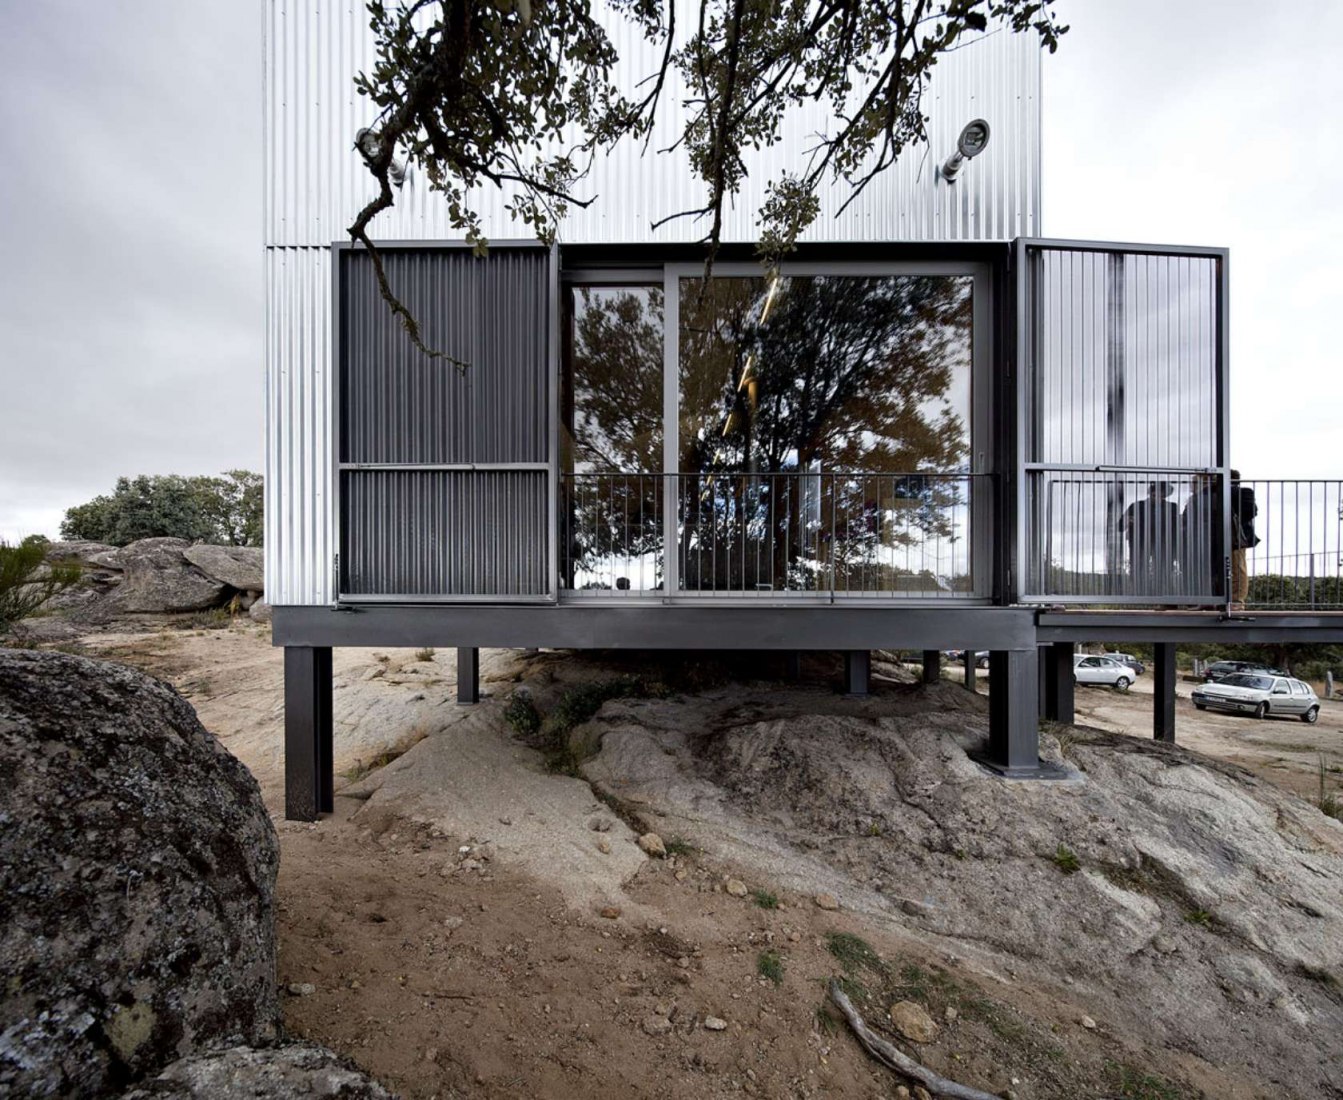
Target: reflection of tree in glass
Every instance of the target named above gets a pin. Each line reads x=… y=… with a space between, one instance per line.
x=615 y=420
x=820 y=375
x=612 y=412
x=855 y=372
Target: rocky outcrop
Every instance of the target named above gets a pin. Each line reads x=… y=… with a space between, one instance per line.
x=1173 y=892
x=83 y=552
x=259 y=612
x=159 y=578
x=238 y=567
x=137 y=875
x=152 y=576
x=296 y=1071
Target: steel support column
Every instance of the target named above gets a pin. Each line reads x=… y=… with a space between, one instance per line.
x=932 y=666
x=857 y=671
x=1163 y=691
x=309 y=785
x=792 y=665
x=1059 y=684
x=468 y=675
x=1041 y=683
x=1014 y=716
x=969 y=657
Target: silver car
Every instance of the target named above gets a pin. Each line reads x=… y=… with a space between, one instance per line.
x=1260 y=694
x=1102 y=670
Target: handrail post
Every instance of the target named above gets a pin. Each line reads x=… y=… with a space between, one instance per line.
x=834 y=539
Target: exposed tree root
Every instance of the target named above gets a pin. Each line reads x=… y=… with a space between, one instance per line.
x=893 y=1058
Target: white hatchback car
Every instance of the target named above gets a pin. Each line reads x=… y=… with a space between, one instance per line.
x=1261 y=694
x=1102 y=670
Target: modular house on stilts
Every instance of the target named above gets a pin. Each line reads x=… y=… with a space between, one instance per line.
x=931 y=428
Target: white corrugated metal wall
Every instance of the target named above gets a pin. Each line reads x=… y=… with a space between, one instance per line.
x=314 y=183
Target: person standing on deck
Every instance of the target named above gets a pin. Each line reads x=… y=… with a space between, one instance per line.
x=1197 y=568
x=1149 y=527
x=1243 y=538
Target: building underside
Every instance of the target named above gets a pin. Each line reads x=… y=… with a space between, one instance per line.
x=1030 y=656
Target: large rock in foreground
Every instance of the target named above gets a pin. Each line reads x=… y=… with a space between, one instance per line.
x=137 y=875
x=158 y=578
x=296 y=1071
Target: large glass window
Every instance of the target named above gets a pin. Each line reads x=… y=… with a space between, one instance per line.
x=612 y=388
x=824 y=433
x=611 y=412
x=832 y=372
x=820 y=428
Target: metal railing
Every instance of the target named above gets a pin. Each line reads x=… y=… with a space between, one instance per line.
x=611 y=529
x=1294 y=560
x=776 y=535
x=1155 y=536
x=1145 y=536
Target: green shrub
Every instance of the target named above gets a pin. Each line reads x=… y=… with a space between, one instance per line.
x=522 y=716
x=765 y=899
x=769 y=964
x=1065 y=859
x=25 y=585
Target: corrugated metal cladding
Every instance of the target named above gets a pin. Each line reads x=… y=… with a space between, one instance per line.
x=300 y=539
x=315 y=182
x=442 y=533
x=418 y=530
x=397 y=405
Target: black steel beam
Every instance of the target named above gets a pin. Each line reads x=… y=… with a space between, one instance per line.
x=309 y=782
x=1249 y=628
x=468 y=674
x=654 y=626
x=968 y=658
x=857 y=671
x=792 y=665
x=1014 y=716
x=1059 y=683
x=932 y=666
x=1163 y=691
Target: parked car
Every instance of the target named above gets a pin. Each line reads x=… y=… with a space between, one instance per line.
x=1219 y=670
x=1128 y=659
x=1102 y=670
x=1260 y=694
x=981 y=656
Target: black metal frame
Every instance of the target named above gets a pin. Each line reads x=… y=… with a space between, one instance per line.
x=1025 y=296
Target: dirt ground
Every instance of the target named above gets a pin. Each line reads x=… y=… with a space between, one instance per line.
x=1285 y=751
x=445 y=968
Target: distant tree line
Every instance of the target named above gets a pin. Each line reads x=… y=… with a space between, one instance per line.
x=226 y=510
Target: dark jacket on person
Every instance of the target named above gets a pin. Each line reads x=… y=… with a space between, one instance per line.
x=1243 y=511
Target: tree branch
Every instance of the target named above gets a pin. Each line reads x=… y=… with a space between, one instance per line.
x=892 y=1057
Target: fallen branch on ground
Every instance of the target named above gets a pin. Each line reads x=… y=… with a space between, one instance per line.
x=893 y=1058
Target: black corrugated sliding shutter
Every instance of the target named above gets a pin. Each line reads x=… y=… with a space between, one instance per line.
x=445 y=474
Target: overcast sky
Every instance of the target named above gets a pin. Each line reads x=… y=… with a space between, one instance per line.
x=130 y=220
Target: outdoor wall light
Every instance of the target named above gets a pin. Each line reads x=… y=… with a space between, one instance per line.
x=974 y=136
x=369 y=145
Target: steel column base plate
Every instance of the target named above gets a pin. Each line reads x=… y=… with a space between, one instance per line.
x=1042 y=770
